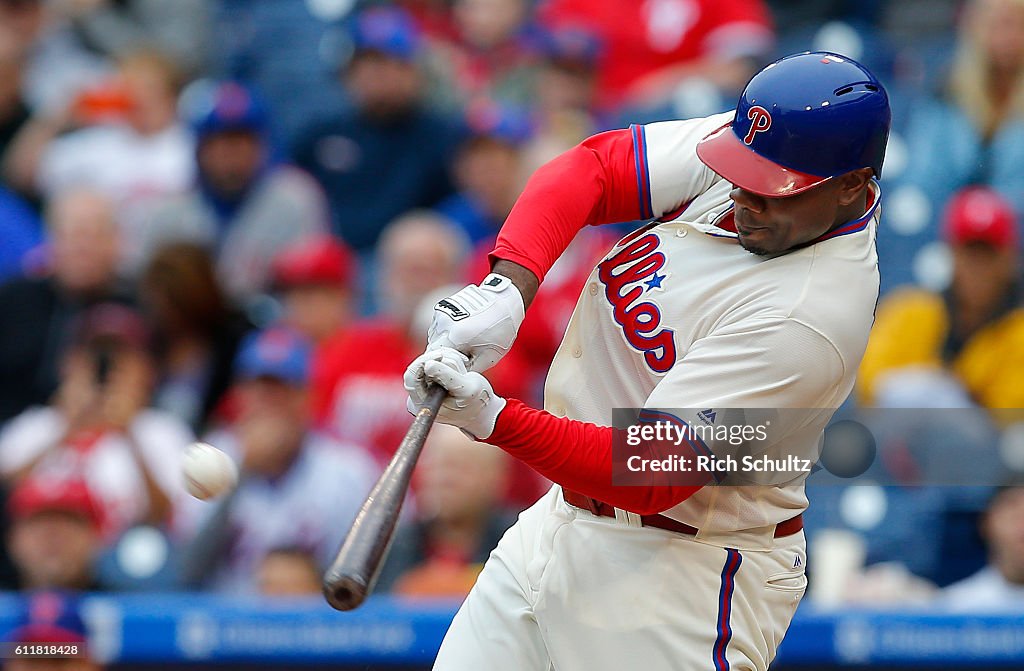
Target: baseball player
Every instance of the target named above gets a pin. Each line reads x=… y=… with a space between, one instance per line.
x=752 y=286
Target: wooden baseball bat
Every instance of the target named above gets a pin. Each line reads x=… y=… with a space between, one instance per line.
x=357 y=565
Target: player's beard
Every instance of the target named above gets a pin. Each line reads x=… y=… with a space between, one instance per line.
x=753 y=249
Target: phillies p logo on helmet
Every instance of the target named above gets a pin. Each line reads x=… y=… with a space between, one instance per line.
x=760 y=121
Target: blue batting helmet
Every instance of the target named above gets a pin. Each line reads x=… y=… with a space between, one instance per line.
x=800 y=121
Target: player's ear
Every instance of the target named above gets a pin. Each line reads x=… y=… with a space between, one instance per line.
x=851 y=185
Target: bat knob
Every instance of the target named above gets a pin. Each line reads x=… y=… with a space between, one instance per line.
x=345 y=593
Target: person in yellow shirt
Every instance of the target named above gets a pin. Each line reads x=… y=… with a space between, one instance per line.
x=930 y=349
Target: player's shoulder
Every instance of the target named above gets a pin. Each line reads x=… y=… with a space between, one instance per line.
x=667 y=152
x=665 y=140
x=839 y=305
x=683 y=127
x=830 y=287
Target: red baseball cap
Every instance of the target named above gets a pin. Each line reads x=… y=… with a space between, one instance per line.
x=979 y=214
x=319 y=260
x=35 y=495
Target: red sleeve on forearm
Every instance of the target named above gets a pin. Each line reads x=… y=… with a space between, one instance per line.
x=578 y=456
x=603 y=180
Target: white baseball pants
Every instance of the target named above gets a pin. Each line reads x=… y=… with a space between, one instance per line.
x=570 y=591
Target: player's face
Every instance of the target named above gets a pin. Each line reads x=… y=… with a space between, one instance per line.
x=774 y=225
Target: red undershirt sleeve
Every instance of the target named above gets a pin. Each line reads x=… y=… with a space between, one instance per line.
x=578 y=456
x=603 y=180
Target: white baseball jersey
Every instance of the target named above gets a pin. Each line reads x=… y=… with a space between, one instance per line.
x=680 y=316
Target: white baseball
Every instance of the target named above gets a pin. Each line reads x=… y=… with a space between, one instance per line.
x=208 y=471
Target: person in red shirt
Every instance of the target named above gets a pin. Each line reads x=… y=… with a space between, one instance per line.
x=361 y=398
x=314 y=279
x=652 y=45
x=491 y=54
x=56 y=533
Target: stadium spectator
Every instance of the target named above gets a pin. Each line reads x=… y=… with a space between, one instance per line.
x=563 y=107
x=973 y=131
x=459 y=519
x=56 y=67
x=55 y=534
x=246 y=204
x=388 y=154
x=99 y=427
x=51 y=617
x=651 y=47
x=314 y=280
x=289 y=572
x=419 y=253
x=965 y=345
x=999 y=587
x=491 y=54
x=196 y=331
x=488 y=170
x=283 y=50
x=115 y=28
x=298 y=486
x=137 y=154
x=83 y=244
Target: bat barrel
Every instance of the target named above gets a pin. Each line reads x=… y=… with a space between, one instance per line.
x=346 y=594
x=355 y=569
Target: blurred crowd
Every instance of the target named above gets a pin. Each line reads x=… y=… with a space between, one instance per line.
x=228 y=220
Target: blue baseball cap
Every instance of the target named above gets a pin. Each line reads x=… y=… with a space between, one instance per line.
x=486 y=119
x=49 y=617
x=231 y=106
x=277 y=353
x=387 y=30
x=575 y=46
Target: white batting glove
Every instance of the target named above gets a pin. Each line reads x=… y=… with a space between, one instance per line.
x=471 y=404
x=481 y=321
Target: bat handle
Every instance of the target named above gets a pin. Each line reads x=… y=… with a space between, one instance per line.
x=435 y=397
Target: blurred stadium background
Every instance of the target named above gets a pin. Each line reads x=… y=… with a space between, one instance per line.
x=228 y=220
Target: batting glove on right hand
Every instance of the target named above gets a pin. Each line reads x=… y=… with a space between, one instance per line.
x=471 y=404
x=481 y=321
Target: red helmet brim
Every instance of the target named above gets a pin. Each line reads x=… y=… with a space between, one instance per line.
x=724 y=153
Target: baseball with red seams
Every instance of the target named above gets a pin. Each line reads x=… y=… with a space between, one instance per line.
x=208 y=471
